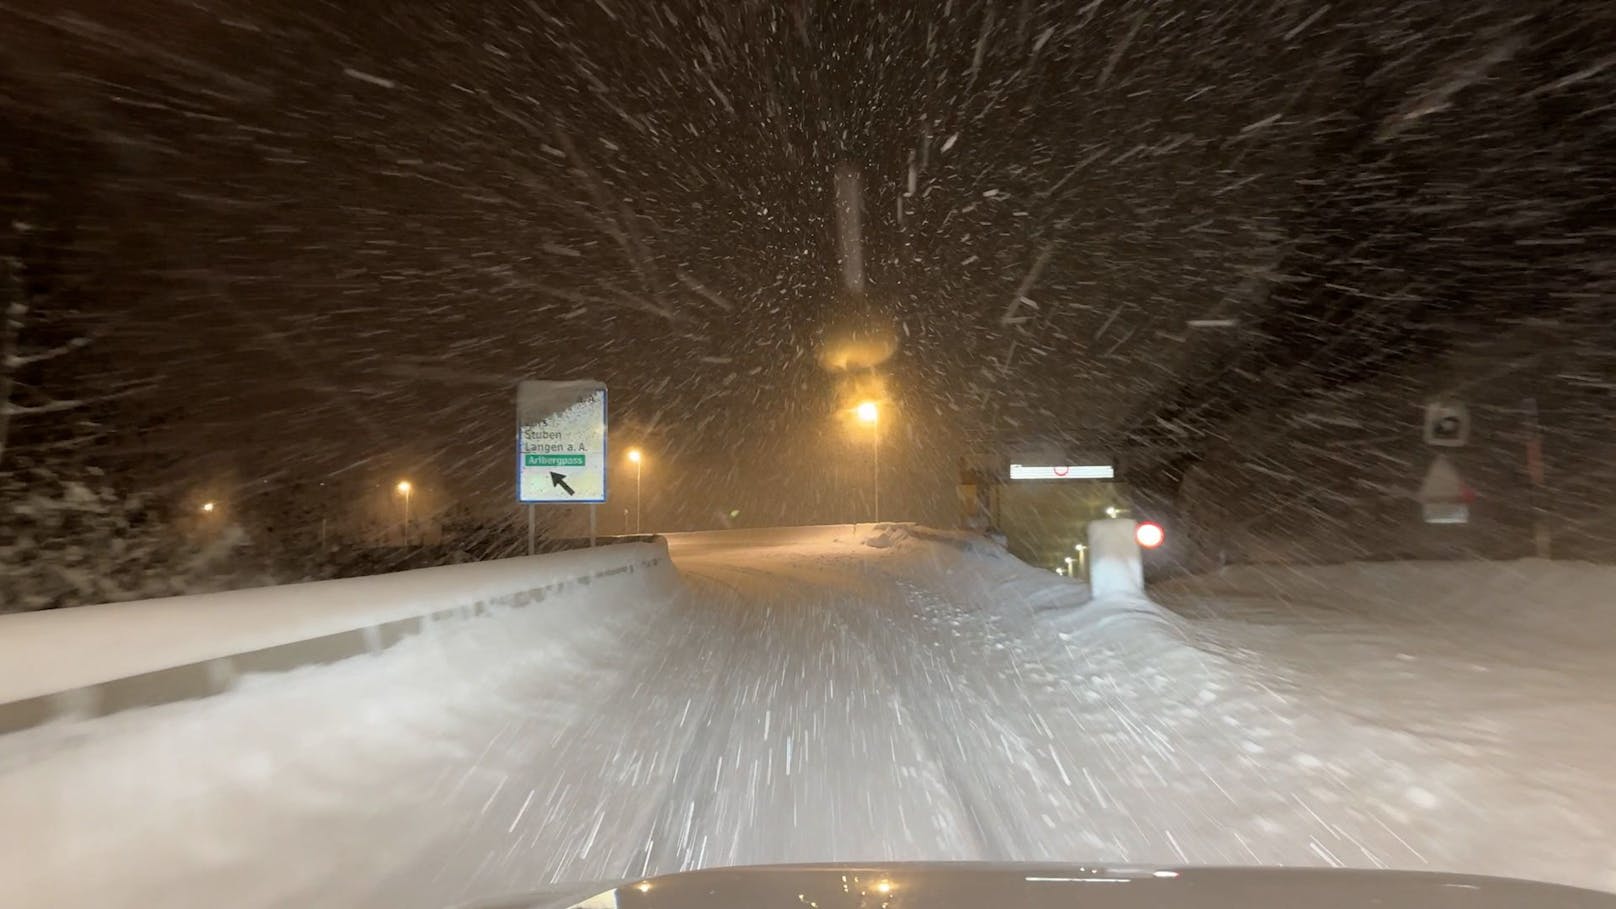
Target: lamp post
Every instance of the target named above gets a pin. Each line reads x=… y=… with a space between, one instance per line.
x=869 y=412
x=638 y=460
x=404 y=488
x=1069 y=561
x=1082 y=557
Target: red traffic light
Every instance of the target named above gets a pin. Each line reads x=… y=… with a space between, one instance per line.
x=1149 y=534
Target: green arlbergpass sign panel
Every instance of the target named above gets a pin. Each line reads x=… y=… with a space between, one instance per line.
x=561 y=442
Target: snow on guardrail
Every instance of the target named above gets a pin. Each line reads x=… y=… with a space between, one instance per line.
x=100 y=659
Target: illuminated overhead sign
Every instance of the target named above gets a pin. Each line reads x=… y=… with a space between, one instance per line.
x=1071 y=472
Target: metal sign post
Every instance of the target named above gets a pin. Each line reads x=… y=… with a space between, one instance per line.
x=1537 y=499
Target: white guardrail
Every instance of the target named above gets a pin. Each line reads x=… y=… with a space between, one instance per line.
x=96 y=660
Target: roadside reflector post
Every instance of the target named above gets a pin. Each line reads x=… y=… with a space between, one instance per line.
x=1116 y=568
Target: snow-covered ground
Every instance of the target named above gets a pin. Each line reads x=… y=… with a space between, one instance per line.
x=888 y=694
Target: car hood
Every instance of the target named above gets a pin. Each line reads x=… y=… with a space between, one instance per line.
x=980 y=886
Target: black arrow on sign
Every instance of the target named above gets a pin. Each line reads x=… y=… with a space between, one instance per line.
x=560 y=479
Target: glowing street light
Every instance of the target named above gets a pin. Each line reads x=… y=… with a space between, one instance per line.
x=207 y=507
x=1069 y=561
x=1082 y=557
x=638 y=460
x=869 y=412
x=404 y=488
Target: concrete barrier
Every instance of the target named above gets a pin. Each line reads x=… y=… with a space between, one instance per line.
x=97 y=660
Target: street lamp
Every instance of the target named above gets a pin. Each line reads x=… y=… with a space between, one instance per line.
x=404 y=488
x=207 y=507
x=638 y=460
x=869 y=412
x=1069 y=561
x=1082 y=557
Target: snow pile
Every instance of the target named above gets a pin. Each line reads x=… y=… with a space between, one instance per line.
x=1569 y=601
x=1390 y=715
x=1469 y=703
x=883 y=536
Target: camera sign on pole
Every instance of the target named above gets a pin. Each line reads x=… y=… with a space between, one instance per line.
x=1447 y=424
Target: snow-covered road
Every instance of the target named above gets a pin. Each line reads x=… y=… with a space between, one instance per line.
x=832 y=695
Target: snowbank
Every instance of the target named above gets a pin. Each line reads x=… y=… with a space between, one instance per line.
x=1433 y=716
x=70 y=650
x=1568 y=600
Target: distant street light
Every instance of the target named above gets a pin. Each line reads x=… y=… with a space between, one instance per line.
x=638 y=460
x=1069 y=561
x=207 y=507
x=869 y=412
x=404 y=488
x=1082 y=557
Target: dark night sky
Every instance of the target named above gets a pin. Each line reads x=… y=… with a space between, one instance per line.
x=347 y=228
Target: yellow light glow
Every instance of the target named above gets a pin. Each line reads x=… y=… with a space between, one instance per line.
x=883 y=887
x=207 y=506
x=868 y=412
x=642 y=886
x=404 y=486
x=634 y=455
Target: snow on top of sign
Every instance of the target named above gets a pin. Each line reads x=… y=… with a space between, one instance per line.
x=561 y=431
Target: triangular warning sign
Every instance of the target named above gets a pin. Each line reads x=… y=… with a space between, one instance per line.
x=1444 y=496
